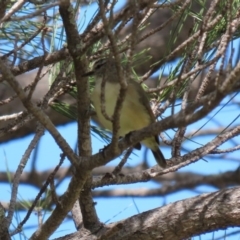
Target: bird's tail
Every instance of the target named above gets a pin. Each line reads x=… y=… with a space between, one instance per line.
x=159 y=158
x=153 y=144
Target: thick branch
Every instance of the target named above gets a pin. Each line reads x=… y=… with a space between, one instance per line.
x=89 y=215
x=179 y=220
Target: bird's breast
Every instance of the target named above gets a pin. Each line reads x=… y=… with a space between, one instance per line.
x=133 y=115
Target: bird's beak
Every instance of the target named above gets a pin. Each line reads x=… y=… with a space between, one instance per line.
x=88 y=74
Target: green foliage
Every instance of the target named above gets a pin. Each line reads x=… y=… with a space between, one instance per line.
x=70 y=111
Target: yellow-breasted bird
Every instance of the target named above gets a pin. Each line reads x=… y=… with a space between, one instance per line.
x=136 y=112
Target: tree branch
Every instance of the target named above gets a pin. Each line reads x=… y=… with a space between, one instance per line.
x=179 y=220
x=89 y=215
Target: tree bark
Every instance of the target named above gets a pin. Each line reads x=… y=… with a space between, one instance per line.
x=179 y=220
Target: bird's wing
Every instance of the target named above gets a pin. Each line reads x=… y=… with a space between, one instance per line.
x=145 y=102
x=143 y=99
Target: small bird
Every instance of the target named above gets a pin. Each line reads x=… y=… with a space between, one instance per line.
x=136 y=112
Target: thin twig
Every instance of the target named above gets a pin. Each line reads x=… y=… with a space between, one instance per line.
x=17 y=176
x=42 y=190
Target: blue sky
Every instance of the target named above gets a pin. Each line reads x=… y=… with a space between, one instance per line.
x=113 y=209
